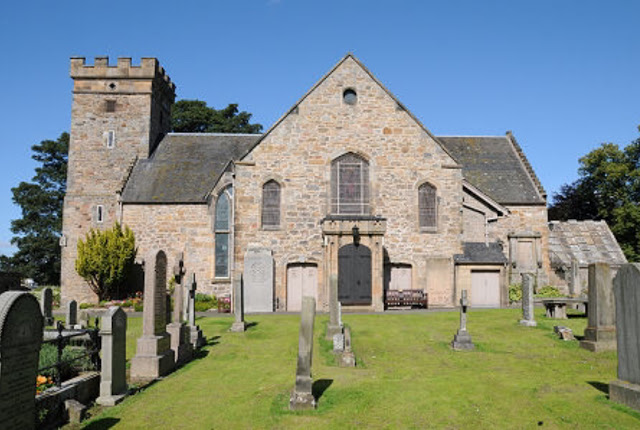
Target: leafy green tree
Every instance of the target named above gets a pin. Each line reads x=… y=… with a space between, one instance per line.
x=608 y=189
x=105 y=259
x=194 y=116
x=38 y=231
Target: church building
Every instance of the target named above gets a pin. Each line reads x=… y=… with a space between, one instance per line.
x=348 y=183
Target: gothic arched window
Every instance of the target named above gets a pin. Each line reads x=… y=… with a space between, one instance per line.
x=222 y=230
x=350 y=185
x=427 y=206
x=271 y=204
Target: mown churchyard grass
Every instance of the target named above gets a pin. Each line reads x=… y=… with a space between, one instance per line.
x=407 y=377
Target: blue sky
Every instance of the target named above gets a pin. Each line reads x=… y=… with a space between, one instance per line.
x=564 y=76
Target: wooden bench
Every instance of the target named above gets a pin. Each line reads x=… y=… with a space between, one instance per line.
x=406 y=298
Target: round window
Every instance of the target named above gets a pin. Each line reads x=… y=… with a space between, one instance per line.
x=349 y=96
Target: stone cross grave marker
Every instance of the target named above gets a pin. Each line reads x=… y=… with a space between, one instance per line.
x=154 y=356
x=195 y=334
x=72 y=314
x=46 y=306
x=113 y=370
x=600 y=334
x=334 y=326
x=238 y=325
x=179 y=332
x=21 y=326
x=462 y=339
x=302 y=395
x=626 y=288
x=528 y=318
x=258 y=280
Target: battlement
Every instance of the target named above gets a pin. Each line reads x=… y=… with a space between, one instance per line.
x=149 y=68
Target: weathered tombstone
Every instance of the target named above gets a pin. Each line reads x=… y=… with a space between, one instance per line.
x=258 y=280
x=564 y=333
x=195 y=334
x=154 y=356
x=179 y=332
x=335 y=325
x=347 y=358
x=575 y=288
x=113 y=370
x=46 y=306
x=528 y=318
x=626 y=287
x=600 y=334
x=238 y=325
x=21 y=326
x=72 y=314
x=83 y=318
x=338 y=343
x=462 y=339
x=302 y=395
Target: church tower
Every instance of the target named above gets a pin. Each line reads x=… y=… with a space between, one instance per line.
x=119 y=115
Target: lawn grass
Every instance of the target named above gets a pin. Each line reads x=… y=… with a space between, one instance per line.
x=408 y=377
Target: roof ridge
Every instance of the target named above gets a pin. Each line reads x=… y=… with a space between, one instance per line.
x=472 y=135
x=213 y=134
x=527 y=165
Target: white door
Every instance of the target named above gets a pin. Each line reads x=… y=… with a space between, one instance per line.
x=485 y=289
x=302 y=280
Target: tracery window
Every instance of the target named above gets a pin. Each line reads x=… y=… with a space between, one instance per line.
x=222 y=230
x=427 y=206
x=350 y=185
x=271 y=204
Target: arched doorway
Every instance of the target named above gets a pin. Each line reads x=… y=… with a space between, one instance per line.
x=302 y=280
x=354 y=275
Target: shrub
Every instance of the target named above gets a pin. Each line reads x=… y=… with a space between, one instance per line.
x=87 y=305
x=49 y=357
x=204 y=302
x=515 y=293
x=549 y=291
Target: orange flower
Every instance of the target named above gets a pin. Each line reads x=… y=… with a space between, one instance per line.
x=41 y=379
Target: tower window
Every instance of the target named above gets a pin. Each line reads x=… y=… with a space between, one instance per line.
x=110 y=106
x=349 y=96
x=99 y=213
x=111 y=139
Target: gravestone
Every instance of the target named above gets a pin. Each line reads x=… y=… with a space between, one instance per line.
x=528 y=319
x=302 y=395
x=258 y=280
x=626 y=288
x=195 y=334
x=600 y=334
x=347 y=358
x=46 y=306
x=179 y=332
x=238 y=325
x=338 y=343
x=113 y=370
x=154 y=356
x=334 y=326
x=72 y=314
x=575 y=287
x=21 y=327
x=564 y=333
x=462 y=339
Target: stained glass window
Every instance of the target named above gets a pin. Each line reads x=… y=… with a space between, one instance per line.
x=350 y=185
x=222 y=230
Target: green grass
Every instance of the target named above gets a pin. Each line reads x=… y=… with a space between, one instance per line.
x=518 y=377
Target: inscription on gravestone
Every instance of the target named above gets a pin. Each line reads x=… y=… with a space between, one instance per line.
x=258 y=280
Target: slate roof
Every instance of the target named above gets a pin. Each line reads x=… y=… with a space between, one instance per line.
x=497 y=167
x=184 y=167
x=480 y=253
x=586 y=241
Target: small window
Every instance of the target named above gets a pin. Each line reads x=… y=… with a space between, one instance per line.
x=111 y=139
x=427 y=206
x=349 y=96
x=271 y=204
x=99 y=213
x=110 y=106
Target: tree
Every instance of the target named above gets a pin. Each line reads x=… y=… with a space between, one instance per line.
x=608 y=189
x=38 y=231
x=106 y=258
x=194 y=116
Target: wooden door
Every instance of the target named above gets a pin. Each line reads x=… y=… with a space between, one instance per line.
x=354 y=275
x=302 y=280
x=485 y=289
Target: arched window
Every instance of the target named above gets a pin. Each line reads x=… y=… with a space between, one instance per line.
x=350 y=185
x=222 y=229
x=427 y=206
x=271 y=204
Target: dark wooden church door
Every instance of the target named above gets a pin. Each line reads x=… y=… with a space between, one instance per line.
x=354 y=275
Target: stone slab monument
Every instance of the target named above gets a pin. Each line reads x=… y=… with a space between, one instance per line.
x=626 y=288
x=46 y=306
x=113 y=370
x=179 y=332
x=347 y=358
x=72 y=314
x=528 y=318
x=21 y=326
x=238 y=325
x=258 y=280
x=154 y=356
x=575 y=287
x=195 y=334
x=600 y=334
x=302 y=395
x=462 y=339
x=334 y=326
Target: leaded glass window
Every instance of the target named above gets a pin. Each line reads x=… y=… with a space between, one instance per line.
x=427 y=202
x=271 y=204
x=222 y=228
x=350 y=185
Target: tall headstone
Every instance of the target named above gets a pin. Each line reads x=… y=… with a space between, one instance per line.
x=238 y=325
x=302 y=395
x=626 y=288
x=335 y=324
x=179 y=332
x=21 y=326
x=575 y=287
x=462 y=339
x=154 y=356
x=46 y=306
x=195 y=334
x=113 y=370
x=528 y=319
x=72 y=313
x=600 y=334
x=258 y=280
